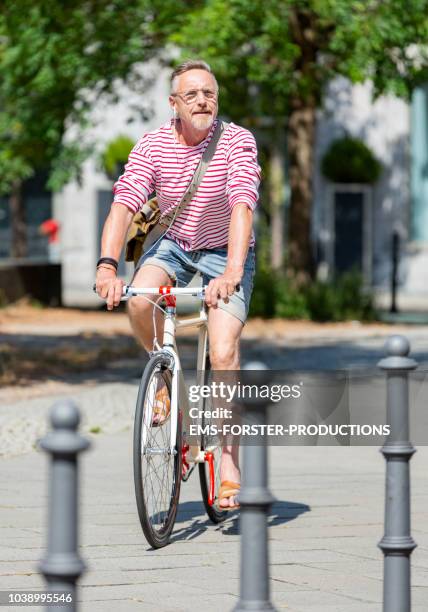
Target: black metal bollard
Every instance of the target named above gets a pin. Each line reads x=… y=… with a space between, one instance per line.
x=397 y=544
x=255 y=500
x=62 y=564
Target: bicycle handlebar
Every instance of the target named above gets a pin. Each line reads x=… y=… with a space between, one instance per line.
x=130 y=291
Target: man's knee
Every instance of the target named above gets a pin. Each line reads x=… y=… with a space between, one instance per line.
x=224 y=356
x=147 y=276
x=138 y=307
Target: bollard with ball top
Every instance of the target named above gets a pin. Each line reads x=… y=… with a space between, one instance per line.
x=62 y=564
x=397 y=544
x=255 y=500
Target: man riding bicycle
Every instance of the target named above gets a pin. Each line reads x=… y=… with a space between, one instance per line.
x=213 y=235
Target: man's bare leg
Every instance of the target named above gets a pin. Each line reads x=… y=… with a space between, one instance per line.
x=224 y=332
x=140 y=313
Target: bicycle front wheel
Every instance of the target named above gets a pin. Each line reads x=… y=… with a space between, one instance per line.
x=157 y=468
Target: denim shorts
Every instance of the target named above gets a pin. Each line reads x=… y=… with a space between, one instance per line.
x=182 y=265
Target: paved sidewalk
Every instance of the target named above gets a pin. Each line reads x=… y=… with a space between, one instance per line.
x=323 y=532
x=323 y=529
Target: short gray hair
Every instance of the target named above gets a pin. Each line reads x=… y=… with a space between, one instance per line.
x=192 y=64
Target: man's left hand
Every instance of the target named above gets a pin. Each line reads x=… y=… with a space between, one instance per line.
x=222 y=287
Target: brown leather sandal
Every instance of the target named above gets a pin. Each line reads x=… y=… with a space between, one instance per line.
x=228 y=489
x=162 y=407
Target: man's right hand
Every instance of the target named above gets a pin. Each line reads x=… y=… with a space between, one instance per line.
x=109 y=287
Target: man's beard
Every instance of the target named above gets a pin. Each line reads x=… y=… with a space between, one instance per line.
x=202 y=122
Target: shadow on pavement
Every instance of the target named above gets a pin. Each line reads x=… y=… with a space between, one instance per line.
x=281 y=512
x=94 y=357
x=76 y=359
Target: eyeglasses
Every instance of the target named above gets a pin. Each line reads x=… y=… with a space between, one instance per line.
x=190 y=96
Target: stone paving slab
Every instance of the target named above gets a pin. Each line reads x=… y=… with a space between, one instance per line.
x=323 y=532
x=107 y=408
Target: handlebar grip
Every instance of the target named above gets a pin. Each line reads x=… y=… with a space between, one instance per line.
x=238 y=287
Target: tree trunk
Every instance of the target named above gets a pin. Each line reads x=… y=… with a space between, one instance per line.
x=17 y=221
x=277 y=198
x=301 y=132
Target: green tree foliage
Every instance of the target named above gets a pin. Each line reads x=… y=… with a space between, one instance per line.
x=56 y=60
x=116 y=154
x=349 y=160
x=52 y=55
x=274 y=59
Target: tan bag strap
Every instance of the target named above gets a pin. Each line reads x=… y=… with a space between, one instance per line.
x=196 y=180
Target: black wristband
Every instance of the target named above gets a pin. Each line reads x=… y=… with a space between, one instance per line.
x=108 y=260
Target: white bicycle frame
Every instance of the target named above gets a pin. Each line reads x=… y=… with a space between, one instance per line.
x=171 y=324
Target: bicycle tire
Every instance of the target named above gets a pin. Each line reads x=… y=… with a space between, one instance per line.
x=157 y=513
x=215 y=515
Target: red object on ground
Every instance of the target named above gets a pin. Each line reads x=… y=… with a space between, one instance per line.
x=50 y=228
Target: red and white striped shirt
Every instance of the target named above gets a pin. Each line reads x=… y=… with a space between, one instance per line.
x=159 y=163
